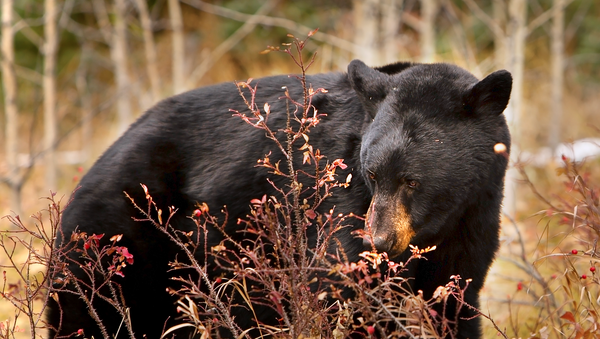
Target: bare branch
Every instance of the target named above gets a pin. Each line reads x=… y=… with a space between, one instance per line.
x=460 y=38
x=103 y=22
x=577 y=19
x=489 y=21
x=24 y=27
x=544 y=17
x=29 y=74
x=65 y=15
x=290 y=25
x=226 y=45
x=412 y=21
x=83 y=31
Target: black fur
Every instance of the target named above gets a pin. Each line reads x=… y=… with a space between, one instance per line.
x=433 y=126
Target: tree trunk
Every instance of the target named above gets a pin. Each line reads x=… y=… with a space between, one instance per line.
x=429 y=9
x=557 y=47
x=178 y=46
x=86 y=102
x=9 y=83
x=391 y=10
x=499 y=13
x=366 y=26
x=515 y=57
x=118 y=54
x=150 y=48
x=49 y=84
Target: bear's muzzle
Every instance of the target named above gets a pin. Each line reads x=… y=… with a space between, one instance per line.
x=388 y=226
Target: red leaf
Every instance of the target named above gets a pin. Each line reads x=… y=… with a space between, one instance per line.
x=306 y=158
x=125 y=253
x=339 y=163
x=568 y=316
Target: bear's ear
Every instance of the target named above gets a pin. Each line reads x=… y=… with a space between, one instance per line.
x=395 y=68
x=369 y=84
x=490 y=95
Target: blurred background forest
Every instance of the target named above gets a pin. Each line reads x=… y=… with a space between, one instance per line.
x=76 y=73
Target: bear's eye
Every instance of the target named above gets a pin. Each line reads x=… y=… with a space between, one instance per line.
x=412 y=184
x=371 y=175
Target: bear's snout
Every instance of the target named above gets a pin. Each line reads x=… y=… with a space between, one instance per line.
x=388 y=226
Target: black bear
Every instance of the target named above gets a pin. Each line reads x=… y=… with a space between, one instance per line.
x=418 y=138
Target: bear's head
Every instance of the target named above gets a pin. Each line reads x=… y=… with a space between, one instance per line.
x=427 y=152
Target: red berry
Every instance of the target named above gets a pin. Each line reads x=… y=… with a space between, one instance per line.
x=197 y=213
x=371 y=330
x=583 y=276
x=592 y=269
x=218 y=280
x=574 y=251
x=519 y=286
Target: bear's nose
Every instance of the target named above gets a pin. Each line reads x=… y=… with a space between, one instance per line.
x=380 y=243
